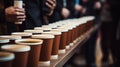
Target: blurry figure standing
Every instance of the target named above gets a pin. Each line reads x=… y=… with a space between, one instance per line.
x=91 y=8
x=115 y=44
x=106 y=33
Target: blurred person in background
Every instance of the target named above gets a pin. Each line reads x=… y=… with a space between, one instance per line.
x=91 y=8
x=77 y=8
x=106 y=33
x=33 y=11
x=66 y=9
x=115 y=43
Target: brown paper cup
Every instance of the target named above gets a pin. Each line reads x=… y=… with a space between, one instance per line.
x=21 y=54
x=34 y=53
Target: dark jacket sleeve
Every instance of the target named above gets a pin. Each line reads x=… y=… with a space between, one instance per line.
x=2 y=16
x=59 y=5
x=70 y=6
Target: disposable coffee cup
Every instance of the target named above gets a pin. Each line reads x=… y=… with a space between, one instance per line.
x=21 y=54
x=63 y=40
x=19 y=4
x=69 y=33
x=46 y=49
x=56 y=43
x=6 y=59
x=34 y=54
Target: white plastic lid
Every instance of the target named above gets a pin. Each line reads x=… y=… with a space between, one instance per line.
x=29 y=42
x=44 y=36
x=66 y=27
x=6 y=56
x=11 y=37
x=22 y=34
x=33 y=31
x=4 y=40
x=15 y=48
x=88 y=18
x=42 y=28
x=46 y=26
x=61 y=30
x=52 y=32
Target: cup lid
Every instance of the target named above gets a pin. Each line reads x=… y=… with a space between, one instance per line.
x=33 y=31
x=42 y=28
x=29 y=41
x=6 y=56
x=22 y=34
x=52 y=32
x=15 y=48
x=88 y=18
x=60 y=30
x=66 y=27
x=43 y=36
x=4 y=40
x=11 y=37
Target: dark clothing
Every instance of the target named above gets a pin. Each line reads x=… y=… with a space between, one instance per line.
x=34 y=14
x=2 y=17
x=90 y=50
x=90 y=7
x=115 y=13
x=106 y=39
x=91 y=43
x=57 y=12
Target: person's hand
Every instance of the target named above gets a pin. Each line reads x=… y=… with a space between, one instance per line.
x=51 y=4
x=65 y=12
x=14 y=14
x=83 y=10
x=78 y=8
x=97 y=5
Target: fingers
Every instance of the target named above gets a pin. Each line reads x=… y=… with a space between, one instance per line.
x=14 y=14
x=51 y=4
x=19 y=14
x=20 y=17
x=20 y=20
x=21 y=10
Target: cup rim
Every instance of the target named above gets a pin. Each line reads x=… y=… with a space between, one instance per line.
x=38 y=41
x=11 y=37
x=4 y=40
x=44 y=36
x=33 y=31
x=61 y=30
x=7 y=56
x=52 y=32
x=15 y=48
x=21 y=34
